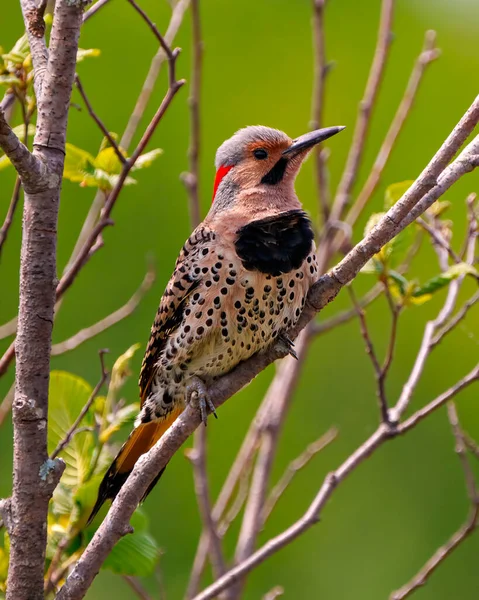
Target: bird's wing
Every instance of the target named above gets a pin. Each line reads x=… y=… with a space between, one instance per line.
x=183 y=282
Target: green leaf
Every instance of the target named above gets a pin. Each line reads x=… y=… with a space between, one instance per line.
x=88 y=53
x=395 y=191
x=400 y=281
x=440 y=281
x=135 y=554
x=78 y=163
x=146 y=160
x=68 y=394
x=108 y=161
x=121 y=369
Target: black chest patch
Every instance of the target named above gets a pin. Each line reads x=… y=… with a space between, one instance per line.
x=276 y=244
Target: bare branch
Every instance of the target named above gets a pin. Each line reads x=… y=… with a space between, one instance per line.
x=159 y=58
x=320 y=72
x=311 y=516
x=35 y=26
x=365 y=110
x=281 y=392
x=74 y=427
x=6 y=405
x=94 y=9
x=11 y=211
x=296 y=465
x=428 y=54
x=463 y=532
x=112 y=319
x=274 y=593
x=197 y=456
x=191 y=179
x=137 y=588
x=99 y=122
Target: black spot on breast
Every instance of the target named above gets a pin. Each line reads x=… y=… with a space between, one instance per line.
x=275 y=245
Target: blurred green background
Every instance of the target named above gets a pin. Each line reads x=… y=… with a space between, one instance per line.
x=397 y=508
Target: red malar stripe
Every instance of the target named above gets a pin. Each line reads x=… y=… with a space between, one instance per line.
x=220 y=173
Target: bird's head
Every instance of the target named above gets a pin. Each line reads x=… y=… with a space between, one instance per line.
x=258 y=161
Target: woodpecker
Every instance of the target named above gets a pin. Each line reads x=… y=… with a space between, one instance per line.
x=239 y=284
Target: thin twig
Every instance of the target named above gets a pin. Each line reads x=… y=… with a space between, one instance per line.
x=320 y=71
x=191 y=179
x=171 y=54
x=94 y=9
x=11 y=211
x=296 y=465
x=428 y=54
x=442 y=553
x=121 y=313
x=74 y=427
x=136 y=586
x=438 y=239
x=383 y=433
x=365 y=110
x=99 y=122
x=153 y=72
x=6 y=405
x=378 y=371
x=197 y=456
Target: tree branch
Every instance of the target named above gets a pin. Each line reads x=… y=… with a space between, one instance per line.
x=35 y=476
x=365 y=110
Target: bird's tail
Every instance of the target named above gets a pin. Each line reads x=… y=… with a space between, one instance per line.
x=140 y=440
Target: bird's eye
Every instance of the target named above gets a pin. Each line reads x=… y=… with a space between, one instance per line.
x=260 y=153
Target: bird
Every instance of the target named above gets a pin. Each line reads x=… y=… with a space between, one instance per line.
x=239 y=284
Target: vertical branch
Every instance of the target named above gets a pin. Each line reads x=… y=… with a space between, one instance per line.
x=281 y=392
x=320 y=72
x=365 y=110
x=35 y=476
x=191 y=179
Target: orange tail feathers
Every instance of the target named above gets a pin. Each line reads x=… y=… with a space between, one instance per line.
x=140 y=440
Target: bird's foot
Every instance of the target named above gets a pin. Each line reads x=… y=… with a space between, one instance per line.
x=285 y=344
x=197 y=392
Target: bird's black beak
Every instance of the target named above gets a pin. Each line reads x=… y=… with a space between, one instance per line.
x=308 y=140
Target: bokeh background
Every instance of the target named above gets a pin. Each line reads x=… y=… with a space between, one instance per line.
x=397 y=508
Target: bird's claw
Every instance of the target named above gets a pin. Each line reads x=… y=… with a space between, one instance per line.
x=286 y=344
x=198 y=393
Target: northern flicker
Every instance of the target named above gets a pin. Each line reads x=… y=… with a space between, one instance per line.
x=239 y=284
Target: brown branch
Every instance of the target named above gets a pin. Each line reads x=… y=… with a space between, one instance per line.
x=365 y=110
x=112 y=319
x=321 y=327
x=74 y=427
x=197 y=456
x=438 y=239
x=442 y=553
x=35 y=27
x=170 y=54
x=191 y=179
x=428 y=54
x=35 y=476
x=327 y=287
x=152 y=76
x=99 y=122
x=94 y=9
x=296 y=465
x=6 y=405
x=137 y=588
x=281 y=392
x=10 y=212
x=317 y=108
x=311 y=516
